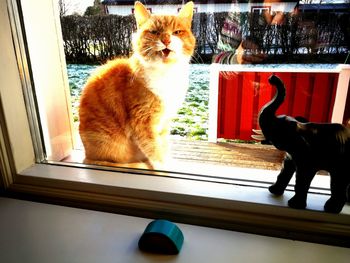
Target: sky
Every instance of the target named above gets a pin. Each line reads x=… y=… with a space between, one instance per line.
x=78 y=6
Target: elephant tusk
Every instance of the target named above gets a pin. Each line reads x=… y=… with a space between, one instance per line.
x=257 y=131
x=259 y=136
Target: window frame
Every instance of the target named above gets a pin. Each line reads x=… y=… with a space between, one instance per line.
x=223 y=204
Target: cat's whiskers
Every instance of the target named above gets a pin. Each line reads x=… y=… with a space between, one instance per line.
x=146 y=50
x=149 y=52
x=195 y=58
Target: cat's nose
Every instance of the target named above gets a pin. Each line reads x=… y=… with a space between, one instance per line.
x=166 y=40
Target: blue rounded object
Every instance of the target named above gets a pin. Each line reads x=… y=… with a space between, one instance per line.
x=161 y=237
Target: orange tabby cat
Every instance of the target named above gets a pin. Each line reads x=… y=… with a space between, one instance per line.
x=126 y=105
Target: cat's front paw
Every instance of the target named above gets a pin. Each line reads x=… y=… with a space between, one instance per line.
x=276 y=190
x=333 y=206
x=297 y=203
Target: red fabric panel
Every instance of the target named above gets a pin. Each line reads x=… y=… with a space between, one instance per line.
x=228 y=106
x=247 y=101
x=243 y=94
x=302 y=92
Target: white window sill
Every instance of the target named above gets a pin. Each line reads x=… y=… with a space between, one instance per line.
x=34 y=232
x=225 y=204
x=228 y=183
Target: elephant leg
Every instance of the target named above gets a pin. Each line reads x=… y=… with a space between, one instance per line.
x=303 y=180
x=339 y=187
x=287 y=171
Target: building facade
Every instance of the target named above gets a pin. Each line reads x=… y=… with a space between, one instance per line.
x=126 y=7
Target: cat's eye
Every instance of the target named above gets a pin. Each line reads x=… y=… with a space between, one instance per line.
x=154 y=32
x=178 y=32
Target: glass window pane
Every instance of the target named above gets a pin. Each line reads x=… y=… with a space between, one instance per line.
x=216 y=128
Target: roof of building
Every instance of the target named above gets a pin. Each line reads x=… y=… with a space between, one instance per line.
x=170 y=2
x=334 y=6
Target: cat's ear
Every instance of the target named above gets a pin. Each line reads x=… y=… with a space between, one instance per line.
x=141 y=14
x=186 y=12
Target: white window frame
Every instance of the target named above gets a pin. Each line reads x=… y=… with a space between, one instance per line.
x=261 y=9
x=187 y=198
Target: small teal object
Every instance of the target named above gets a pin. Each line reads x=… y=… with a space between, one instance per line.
x=161 y=237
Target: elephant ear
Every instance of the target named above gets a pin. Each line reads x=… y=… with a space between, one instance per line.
x=342 y=137
x=306 y=130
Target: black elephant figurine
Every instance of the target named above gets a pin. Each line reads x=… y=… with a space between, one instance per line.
x=309 y=147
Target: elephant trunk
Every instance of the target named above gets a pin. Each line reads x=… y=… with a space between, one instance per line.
x=267 y=117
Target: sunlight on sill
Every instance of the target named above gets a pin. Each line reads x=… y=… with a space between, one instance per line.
x=237 y=163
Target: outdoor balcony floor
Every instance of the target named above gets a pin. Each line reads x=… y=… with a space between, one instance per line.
x=189 y=156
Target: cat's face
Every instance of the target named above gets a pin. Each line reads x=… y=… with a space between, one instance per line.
x=164 y=38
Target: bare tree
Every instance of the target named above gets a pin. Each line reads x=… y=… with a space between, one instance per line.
x=63 y=7
x=66 y=7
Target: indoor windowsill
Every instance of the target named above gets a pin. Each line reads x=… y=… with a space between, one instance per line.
x=36 y=232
